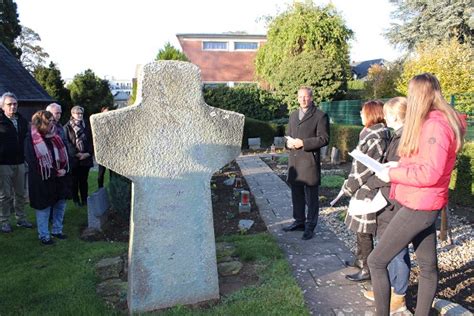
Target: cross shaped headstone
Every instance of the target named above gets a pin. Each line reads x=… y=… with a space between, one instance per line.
x=169 y=144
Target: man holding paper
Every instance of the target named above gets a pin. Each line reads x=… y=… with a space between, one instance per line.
x=308 y=131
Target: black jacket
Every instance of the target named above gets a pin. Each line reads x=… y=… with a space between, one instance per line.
x=304 y=166
x=11 y=140
x=44 y=193
x=72 y=149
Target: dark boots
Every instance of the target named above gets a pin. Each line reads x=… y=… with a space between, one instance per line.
x=357 y=263
x=362 y=275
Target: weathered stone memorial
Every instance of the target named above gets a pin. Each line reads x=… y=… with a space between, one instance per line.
x=97 y=207
x=169 y=143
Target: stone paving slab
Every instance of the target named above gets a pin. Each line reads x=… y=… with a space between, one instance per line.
x=317 y=264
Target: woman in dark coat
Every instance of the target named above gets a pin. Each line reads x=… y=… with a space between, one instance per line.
x=80 y=137
x=48 y=184
x=373 y=141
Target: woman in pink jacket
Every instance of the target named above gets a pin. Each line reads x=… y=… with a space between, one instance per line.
x=432 y=136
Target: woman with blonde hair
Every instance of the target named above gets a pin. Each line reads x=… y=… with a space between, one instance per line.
x=432 y=135
x=399 y=267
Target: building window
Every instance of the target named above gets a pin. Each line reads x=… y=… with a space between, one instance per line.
x=245 y=45
x=213 y=85
x=214 y=45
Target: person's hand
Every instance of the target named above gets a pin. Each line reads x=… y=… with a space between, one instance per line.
x=61 y=172
x=298 y=143
x=384 y=175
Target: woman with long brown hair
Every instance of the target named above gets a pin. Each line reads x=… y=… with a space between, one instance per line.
x=373 y=141
x=48 y=178
x=432 y=135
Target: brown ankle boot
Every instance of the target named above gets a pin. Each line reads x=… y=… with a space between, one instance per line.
x=397 y=303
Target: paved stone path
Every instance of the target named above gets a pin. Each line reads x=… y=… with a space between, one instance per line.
x=317 y=264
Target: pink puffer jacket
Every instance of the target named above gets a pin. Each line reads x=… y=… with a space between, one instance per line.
x=421 y=181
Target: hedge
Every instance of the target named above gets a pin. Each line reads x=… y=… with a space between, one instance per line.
x=461 y=185
x=344 y=138
x=265 y=130
x=246 y=99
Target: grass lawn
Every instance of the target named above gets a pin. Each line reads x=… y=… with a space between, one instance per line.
x=60 y=280
x=52 y=280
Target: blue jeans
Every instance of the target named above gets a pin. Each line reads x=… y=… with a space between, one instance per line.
x=42 y=219
x=399 y=272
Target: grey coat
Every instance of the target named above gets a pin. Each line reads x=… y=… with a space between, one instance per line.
x=304 y=167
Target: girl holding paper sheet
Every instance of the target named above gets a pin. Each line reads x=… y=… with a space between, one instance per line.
x=399 y=268
x=373 y=141
x=432 y=135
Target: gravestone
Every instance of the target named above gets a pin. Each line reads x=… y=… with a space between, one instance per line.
x=279 y=142
x=169 y=143
x=254 y=143
x=97 y=206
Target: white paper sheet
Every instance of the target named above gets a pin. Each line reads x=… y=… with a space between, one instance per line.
x=358 y=207
x=339 y=195
x=369 y=162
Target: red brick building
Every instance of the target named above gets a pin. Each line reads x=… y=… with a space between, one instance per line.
x=223 y=58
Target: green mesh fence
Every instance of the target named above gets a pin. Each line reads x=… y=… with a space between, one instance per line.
x=346 y=112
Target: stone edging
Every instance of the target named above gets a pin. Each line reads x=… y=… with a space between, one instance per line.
x=448 y=308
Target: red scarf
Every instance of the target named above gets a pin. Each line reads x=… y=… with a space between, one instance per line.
x=44 y=155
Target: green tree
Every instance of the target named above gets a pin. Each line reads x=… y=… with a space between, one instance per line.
x=450 y=61
x=9 y=26
x=91 y=92
x=169 y=52
x=304 y=27
x=382 y=81
x=32 y=55
x=311 y=69
x=50 y=79
x=422 y=20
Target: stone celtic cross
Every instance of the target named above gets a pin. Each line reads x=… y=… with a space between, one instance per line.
x=169 y=143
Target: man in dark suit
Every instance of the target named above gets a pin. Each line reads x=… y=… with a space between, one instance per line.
x=308 y=131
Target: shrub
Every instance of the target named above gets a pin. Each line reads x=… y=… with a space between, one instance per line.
x=265 y=130
x=246 y=99
x=120 y=189
x=462 y=186
x=344 y=138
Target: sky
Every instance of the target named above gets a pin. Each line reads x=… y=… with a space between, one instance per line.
x=111 y=37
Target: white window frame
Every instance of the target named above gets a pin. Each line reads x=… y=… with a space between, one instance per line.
x=244 y=49
x=215 y=49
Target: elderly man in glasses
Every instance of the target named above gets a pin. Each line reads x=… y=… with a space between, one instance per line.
x=13 y=130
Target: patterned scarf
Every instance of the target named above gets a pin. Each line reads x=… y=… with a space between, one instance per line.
x=44 y=155
x=79 y=131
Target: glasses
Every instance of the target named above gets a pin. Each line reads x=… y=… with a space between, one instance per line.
x=78 y=113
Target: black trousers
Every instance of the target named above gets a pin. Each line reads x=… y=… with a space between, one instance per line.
x=406 y=226
x=100 y=176
x=305 y=197
x=79 y=183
